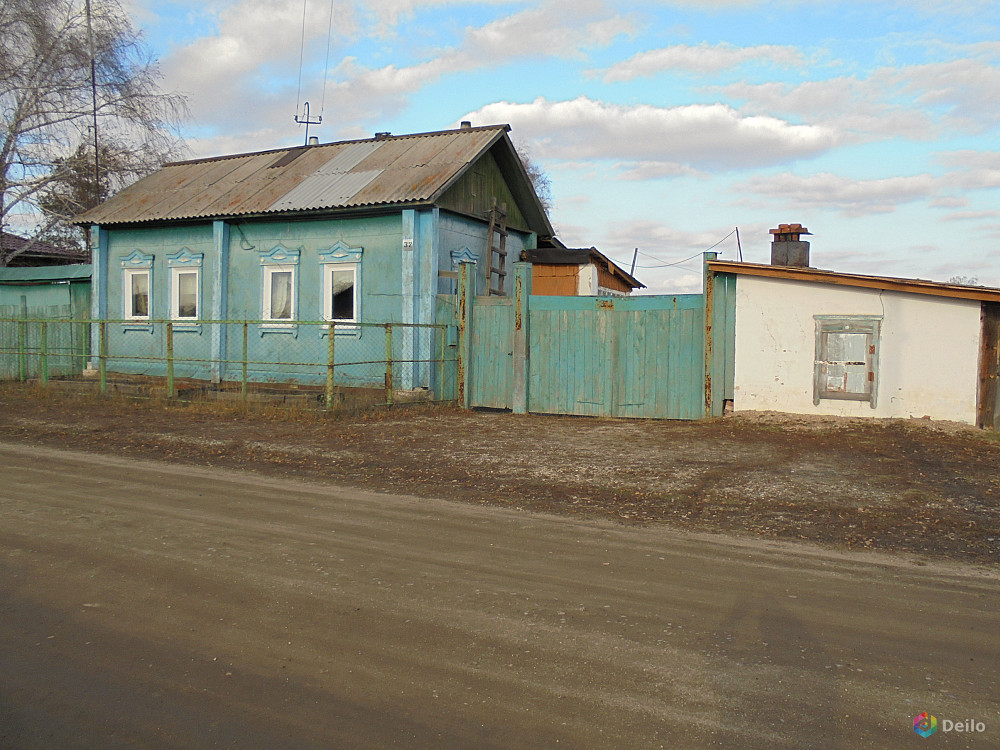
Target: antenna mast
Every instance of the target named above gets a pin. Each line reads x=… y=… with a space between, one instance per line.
x=93 y=92
x=305 y=120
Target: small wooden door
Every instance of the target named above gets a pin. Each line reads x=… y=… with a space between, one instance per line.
x=989 y=368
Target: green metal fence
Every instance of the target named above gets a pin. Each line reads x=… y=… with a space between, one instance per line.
x=245 y=357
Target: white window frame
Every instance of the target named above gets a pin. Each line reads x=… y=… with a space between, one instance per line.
x=341 y=257
x=184 y=261
x=279 y=259
x=328 y=273
x=175 y=298
x=266 y=312
x=128 y=309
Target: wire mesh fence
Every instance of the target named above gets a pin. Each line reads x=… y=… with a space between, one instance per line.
x=319 y=360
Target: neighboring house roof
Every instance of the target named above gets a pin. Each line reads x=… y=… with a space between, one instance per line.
x=580 y=256
x=408 y=170
x=45 y=274
x=35 y=252
x=887 y=283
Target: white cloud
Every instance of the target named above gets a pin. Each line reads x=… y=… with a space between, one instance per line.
x=701 y=136
x=655 y=170
x=857 y=109
x=850 y=197
x=972 y=215
x=918 y=102
x=702 y=58
x=964 y=91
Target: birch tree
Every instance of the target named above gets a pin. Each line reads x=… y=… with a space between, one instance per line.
x=49 y=51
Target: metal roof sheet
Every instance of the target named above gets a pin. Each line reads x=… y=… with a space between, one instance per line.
x=837 y=278
x=351 y=174
x=30 y=274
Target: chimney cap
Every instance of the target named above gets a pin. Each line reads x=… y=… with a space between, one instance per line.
x=466 y=125
x=313 y=140
x=383 y=135
x=790 y=229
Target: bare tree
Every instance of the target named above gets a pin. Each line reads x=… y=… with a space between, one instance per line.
x=965 y=280
x=50 y=109
x=539 y=178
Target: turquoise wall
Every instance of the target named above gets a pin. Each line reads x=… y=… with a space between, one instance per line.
x=459 y=232
x=401 y=255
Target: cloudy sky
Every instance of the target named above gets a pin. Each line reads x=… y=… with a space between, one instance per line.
x=663 y=125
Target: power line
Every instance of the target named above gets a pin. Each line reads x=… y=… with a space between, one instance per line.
x=302 y=51
x=326 y=63
x=682 y=260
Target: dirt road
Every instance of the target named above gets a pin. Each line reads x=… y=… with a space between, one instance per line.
x=924 y=488
x=157 y=605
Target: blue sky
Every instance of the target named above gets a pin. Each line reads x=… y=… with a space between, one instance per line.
x=663 y=126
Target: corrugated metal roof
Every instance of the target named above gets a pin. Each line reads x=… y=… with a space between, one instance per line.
x=353 y=174
x=888 y=283
x=30 y=274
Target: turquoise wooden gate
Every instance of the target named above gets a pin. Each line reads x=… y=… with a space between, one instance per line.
x=617 y=357
x=491 y=374
x=639 y=357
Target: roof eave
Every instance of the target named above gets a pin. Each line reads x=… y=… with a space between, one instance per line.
x=886 y=283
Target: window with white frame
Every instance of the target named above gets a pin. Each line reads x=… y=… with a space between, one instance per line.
x=279 y=288
x=846 y=364
x=137 y=286
x=340 y=297
x=279 y=293
x=185 y=285
x=184 y=294
x=341 y=266
x=137 y=305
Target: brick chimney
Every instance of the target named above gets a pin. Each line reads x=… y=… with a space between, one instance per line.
x=787 y=249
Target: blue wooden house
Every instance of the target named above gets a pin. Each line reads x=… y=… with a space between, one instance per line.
x=349 y=233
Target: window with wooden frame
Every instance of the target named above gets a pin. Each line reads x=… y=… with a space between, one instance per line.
x=846 y=363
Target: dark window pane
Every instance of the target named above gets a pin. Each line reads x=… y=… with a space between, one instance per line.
x=343 y=295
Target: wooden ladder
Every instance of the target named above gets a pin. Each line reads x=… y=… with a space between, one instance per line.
x=498 y=228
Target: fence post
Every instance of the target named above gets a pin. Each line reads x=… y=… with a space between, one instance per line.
x=708 y=294
x=44 y=346
x=442 y=332
x=466 y=297
x=102 y=353
x=22 y=355
x=170 y=360
x=243 y=377
x=388 y=363
x=522 y=293
x=331 y=335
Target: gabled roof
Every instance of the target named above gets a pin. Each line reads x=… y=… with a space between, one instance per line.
x=887 y=283
x=580 y=256
x=34 y=252
x=387 y=170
